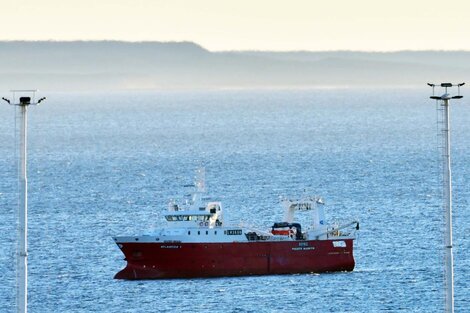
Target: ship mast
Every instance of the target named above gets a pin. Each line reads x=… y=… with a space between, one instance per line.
x=200 y=187
x=444 y=101
x=22 y=249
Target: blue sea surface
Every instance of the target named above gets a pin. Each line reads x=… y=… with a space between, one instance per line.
x=105 y=164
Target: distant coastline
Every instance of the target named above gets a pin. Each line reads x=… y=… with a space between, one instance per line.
x=117 y=65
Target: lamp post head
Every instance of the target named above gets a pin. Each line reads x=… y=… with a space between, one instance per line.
x=446 y=95
x=24 y=100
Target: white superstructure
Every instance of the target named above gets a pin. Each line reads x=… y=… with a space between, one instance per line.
x=197 y=222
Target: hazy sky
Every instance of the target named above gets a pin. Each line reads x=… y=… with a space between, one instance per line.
x=247 y=25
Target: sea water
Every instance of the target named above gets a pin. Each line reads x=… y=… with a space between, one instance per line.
x=106 y=164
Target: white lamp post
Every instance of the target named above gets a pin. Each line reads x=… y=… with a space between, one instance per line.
x=26 y=99
x=447 y=189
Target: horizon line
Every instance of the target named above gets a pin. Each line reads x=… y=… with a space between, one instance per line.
x=219 y=51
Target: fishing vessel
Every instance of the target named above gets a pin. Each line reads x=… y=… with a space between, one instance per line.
x=197 y=243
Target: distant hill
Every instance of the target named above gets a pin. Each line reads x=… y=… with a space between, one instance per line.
x=114 y=65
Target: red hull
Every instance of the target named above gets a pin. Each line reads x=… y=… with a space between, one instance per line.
x=188 y=260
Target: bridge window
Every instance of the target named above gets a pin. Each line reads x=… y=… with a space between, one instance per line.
x=202 y=218
x=174 y=218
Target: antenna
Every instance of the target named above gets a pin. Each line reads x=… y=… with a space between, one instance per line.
x=444 y=101
x=200 y=186
x=26 y=98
